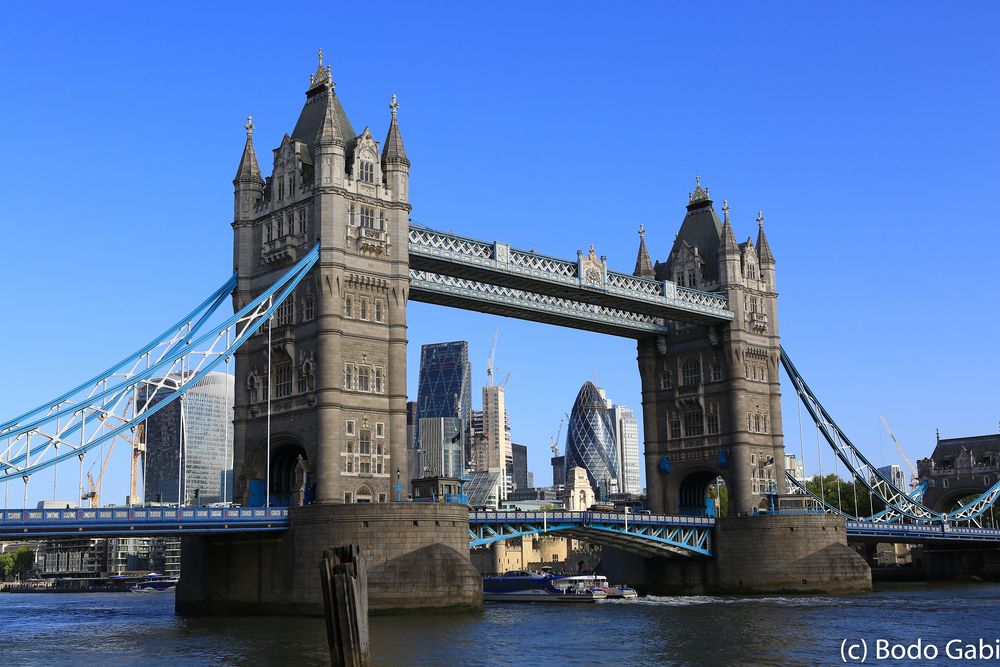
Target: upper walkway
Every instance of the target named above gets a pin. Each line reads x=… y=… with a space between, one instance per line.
x=461 y=272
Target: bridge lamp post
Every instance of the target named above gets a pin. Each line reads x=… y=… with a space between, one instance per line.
x=627 y=510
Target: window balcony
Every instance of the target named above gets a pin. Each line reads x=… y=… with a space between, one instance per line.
x=282 y=250
x=370 y=240
x=758 y=322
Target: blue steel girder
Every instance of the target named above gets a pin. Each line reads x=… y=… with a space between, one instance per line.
x=582 y=280
x=139 y=521
x=899 y=503
x=653 y=535
x=111 y=409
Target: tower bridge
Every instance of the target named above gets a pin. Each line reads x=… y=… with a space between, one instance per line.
x=325 y=262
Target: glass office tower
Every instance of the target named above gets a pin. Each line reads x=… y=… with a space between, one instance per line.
x=444 y=387
x=189 y=443
x=590 y=440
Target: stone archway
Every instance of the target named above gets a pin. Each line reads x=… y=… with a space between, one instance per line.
x=693 y=496
x=289 y=475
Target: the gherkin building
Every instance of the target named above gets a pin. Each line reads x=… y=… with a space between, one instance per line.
x=590 y=439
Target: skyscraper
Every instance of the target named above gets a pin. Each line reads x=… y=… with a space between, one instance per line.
x=189 y=443
x=520 y=459
x=441 y=452
x=444 y=387
x=627 y=439
x=590 y=440
x=496 y=435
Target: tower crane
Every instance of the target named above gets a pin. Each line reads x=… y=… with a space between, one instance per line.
x=899 y=446
x=555 y=439
x=493 y=354
x=94 y=494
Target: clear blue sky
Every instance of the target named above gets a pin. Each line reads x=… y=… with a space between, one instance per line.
x=867 y=133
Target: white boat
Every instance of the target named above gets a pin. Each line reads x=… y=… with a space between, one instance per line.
x=597 y=582
x=154 y=583
x=528 y=586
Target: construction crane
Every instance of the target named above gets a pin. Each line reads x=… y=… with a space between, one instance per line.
x=913 y=471
x=555 y=438
x=506 y=379
x=94 y=494
x=489 y=360
x=138 y=450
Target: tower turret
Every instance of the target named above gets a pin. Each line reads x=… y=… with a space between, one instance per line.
x=395 y=164
x=329 y=146
x=729 y=251
x=763 y=247
x=643 y=265
x=246 y=194
x=248 y=181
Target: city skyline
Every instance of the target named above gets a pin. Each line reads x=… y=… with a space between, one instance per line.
x=865 y=186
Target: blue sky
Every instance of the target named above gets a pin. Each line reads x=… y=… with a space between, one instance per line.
x=866 y=132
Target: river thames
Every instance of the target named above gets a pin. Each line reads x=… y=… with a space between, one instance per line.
x=129 y=629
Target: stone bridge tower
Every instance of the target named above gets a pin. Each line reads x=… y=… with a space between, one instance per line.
x=711 y=400
x=332 y=401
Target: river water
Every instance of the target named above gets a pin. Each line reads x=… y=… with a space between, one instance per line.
x=107 y=629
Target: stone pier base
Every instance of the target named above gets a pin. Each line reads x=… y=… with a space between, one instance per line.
x=961 y=561
x=418 y=555
x=753 y=555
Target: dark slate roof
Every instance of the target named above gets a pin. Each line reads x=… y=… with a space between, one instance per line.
x=701 y=229
x=763 y=248
x=643 y=266
x=729 y=239
x=392 y=150
x=249 y=169
x=312 y=115
x=978 y=446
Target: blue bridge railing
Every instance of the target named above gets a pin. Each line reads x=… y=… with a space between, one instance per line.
x=140 y=520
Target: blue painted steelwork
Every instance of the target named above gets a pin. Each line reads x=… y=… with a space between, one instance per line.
x=135 y=521
x=177 y=334
x=646 y=533
x=112 y=406
x=899 y=503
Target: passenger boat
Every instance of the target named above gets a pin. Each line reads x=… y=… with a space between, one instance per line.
x=597 y=582
x=527 y=586
x=154 y=583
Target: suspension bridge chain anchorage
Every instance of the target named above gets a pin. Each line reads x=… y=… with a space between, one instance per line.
x=901 y=505
x=126 y=395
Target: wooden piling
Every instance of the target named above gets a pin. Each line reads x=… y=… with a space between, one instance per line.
x=344 y=579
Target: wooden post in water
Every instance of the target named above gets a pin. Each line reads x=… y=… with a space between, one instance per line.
x=344 y=577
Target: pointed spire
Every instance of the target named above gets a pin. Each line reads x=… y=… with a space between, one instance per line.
x=249 y=170
x=643 y=266
x=729 y=244
x=329 y=129
x=763 y=248
x=392 y=150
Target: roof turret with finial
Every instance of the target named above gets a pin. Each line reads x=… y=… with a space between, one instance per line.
x=729 y=244
x=392 y=150
x=700 y=195
x=763 y=248
x=643 y=265
x=329 y=128
x=249 y=169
